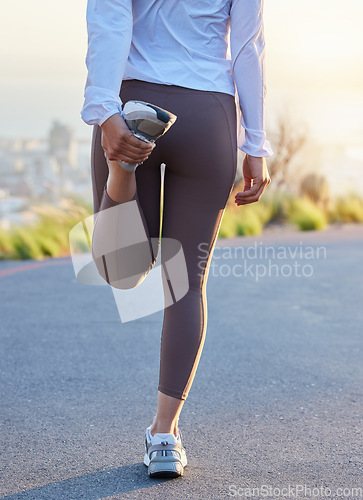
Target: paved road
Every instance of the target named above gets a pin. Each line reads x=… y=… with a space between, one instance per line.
x=276 y=401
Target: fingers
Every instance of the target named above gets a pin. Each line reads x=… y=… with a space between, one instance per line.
x=252 y=195
x=131 y=150
x=250 y=192
x=126 y=159
x=136 y=143
x=128 y=155
x=119 y=143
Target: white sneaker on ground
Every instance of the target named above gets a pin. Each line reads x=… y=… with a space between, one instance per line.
x=165 y=455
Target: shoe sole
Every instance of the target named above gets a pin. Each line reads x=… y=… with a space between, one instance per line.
x=146 y=121
x=139 y=110
x=165 y=468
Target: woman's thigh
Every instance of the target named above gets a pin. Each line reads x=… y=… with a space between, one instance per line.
x=148 y=174
x=99 y=168
x=200 y=152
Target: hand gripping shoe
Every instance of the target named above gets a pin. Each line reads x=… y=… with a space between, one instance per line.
x=147 y=122
x=165 y=455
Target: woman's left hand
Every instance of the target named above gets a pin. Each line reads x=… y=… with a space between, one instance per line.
x=256 y=179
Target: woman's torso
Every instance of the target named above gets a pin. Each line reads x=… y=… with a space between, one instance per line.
x=181 y=42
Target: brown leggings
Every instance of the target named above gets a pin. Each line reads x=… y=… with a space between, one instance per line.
x=200 y=157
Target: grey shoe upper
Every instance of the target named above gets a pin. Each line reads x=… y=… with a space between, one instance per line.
x=162 y=448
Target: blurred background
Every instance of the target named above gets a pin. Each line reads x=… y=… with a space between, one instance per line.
x=314 y=108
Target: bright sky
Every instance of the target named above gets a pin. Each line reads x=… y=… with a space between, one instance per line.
x=309 y=42
x=314 y=42
x=311 y=45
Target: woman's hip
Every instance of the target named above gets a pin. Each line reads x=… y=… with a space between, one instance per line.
x=205 y=128
x=188 y=104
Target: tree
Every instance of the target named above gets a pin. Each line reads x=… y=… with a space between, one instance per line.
x=287 y=141
x=288 y=165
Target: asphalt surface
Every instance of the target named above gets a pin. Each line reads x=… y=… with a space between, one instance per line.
x=276 y=402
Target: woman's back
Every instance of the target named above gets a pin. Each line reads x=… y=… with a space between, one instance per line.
x=181 y=42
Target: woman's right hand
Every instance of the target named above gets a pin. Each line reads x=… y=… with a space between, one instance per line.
x=120 y=144
x=256 y=179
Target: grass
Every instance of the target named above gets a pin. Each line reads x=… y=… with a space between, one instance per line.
x=250 y=219
x=49 y=236
x=347 y=209
x=284 y=208
x=305 y=214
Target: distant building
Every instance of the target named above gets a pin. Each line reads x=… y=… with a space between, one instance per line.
x=43 y=169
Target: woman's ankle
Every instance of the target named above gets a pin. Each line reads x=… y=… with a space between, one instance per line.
x=120 y=192
x=167 y=429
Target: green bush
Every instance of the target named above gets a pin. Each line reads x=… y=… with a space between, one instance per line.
x=49 y=246
x=249 y=221
x=6 y=245
x=48 y=237
x=55 y=231
x=25 y=245
x=268 y=208
x=228 y=227
x=347 y=209
x=242 y=222
x=305 y=214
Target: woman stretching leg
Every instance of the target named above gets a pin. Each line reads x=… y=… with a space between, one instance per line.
x=174 y=55
x=196 y=190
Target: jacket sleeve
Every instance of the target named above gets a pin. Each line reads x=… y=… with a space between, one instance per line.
x=247 y=44
x=109 y=28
